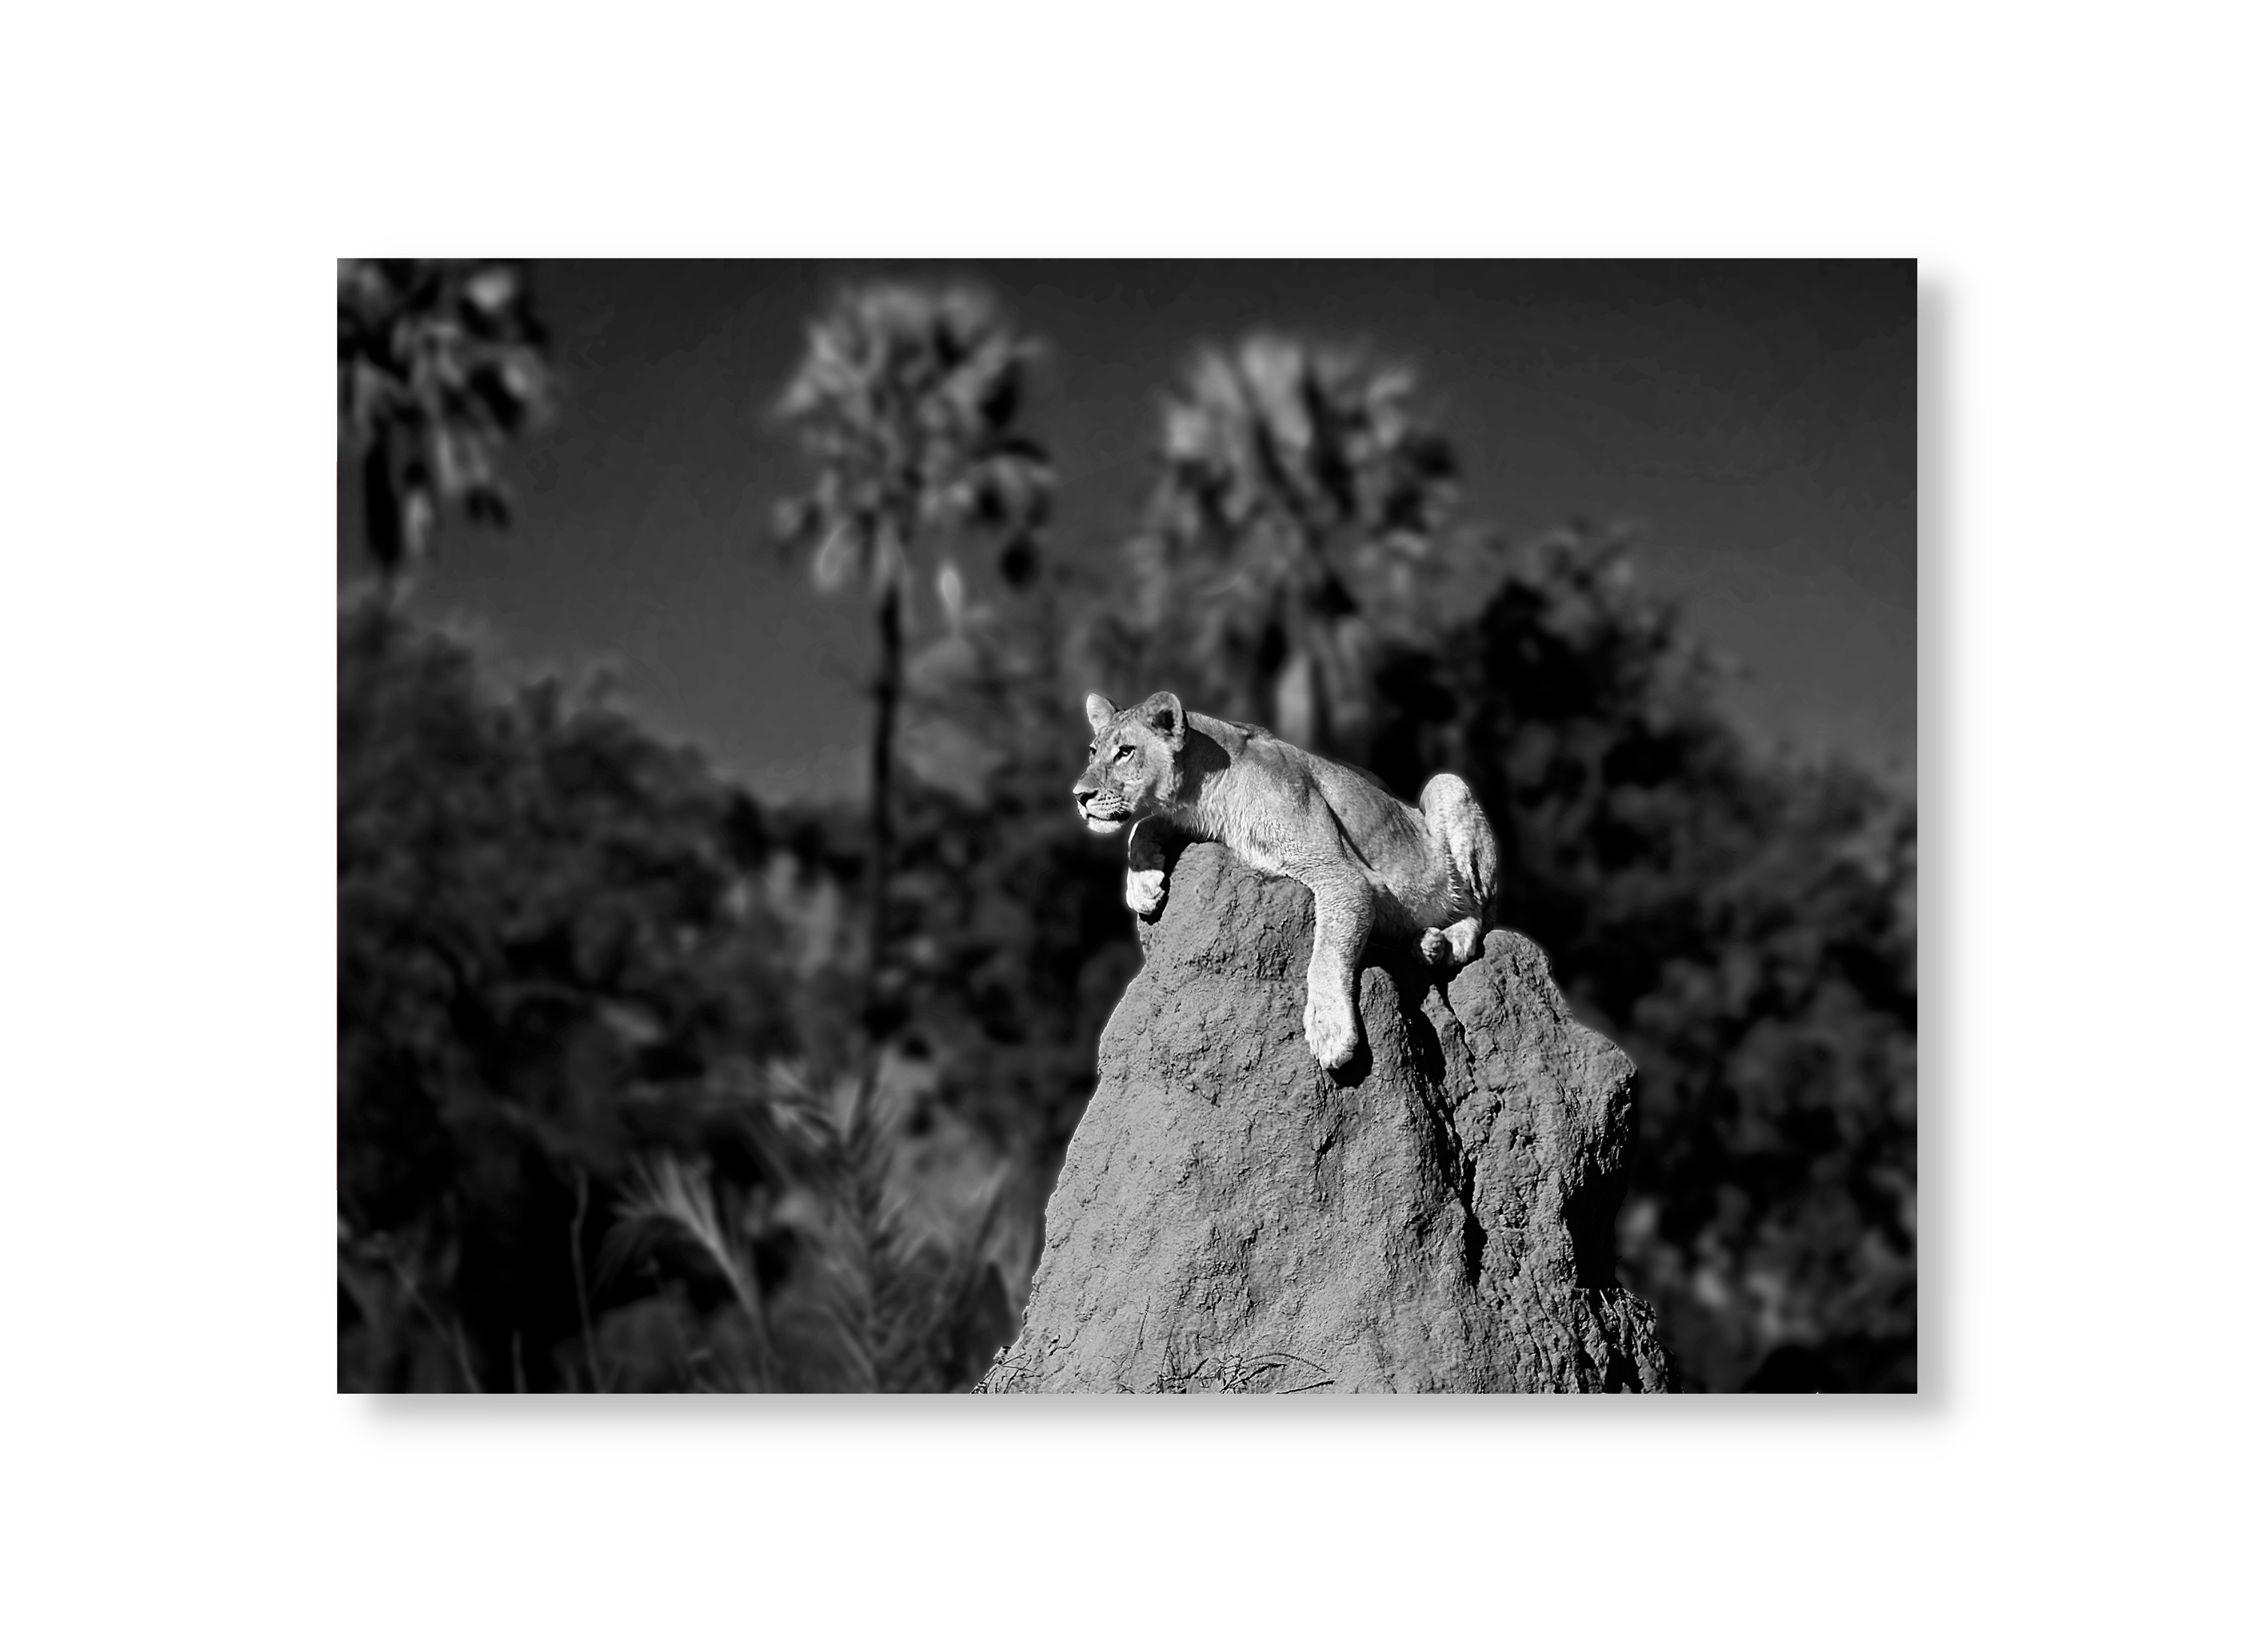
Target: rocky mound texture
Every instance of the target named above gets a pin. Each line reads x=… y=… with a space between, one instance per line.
x=1435 y=1218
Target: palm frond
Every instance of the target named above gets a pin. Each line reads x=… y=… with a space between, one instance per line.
x=672 y=1200
x=906 y=402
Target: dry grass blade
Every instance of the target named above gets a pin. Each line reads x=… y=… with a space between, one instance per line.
x=448 y=1331
x=878 y=1294
x=671 y=1201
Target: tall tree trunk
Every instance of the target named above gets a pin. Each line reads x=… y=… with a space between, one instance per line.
x=880 y=801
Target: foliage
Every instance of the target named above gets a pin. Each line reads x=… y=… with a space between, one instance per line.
x=872 y=1300
x=1020 y=942
x=1746 y=927
x=1298 y=490
x=608 y=1116
x=906 y=405
x=569 y=954
x=439 y=365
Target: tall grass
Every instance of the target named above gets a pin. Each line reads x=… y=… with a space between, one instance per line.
x=870 y=1294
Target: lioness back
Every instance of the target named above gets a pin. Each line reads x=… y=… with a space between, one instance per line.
x=1271 y=782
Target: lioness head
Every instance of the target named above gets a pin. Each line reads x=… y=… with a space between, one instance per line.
x=1130 y=762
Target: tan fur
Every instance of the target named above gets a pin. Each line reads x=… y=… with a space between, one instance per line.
x=1426 y=875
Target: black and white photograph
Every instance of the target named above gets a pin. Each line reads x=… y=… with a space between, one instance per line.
x=1126 y=827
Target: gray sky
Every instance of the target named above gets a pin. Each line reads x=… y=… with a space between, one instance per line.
x=1759 y=421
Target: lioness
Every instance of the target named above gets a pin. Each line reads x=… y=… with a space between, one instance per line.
x=1427 y=874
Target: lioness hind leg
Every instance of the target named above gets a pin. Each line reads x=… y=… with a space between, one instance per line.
x=1474 y=862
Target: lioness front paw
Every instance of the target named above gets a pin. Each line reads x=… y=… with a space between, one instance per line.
x=1330 y=1030
x=1146 y=892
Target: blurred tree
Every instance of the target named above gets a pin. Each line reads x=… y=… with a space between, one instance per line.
x=1298 y=490
x=439 y=365
x=907 y=404
x=583 y=1012
x=872 y=1303
x=549 y=944
x=1016 y=941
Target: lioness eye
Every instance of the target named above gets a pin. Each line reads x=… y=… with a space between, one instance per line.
x=1125 y=752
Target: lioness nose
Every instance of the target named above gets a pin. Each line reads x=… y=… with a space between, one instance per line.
x=1081 y=794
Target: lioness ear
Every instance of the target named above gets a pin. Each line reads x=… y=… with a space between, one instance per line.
x=1100 y=712
x=1162 y=711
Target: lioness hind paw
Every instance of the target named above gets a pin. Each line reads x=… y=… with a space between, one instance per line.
x=1452 y=947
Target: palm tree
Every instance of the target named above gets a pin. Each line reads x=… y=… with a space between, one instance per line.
x=1297 y=489
x=906 y=403
x=439 y=365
